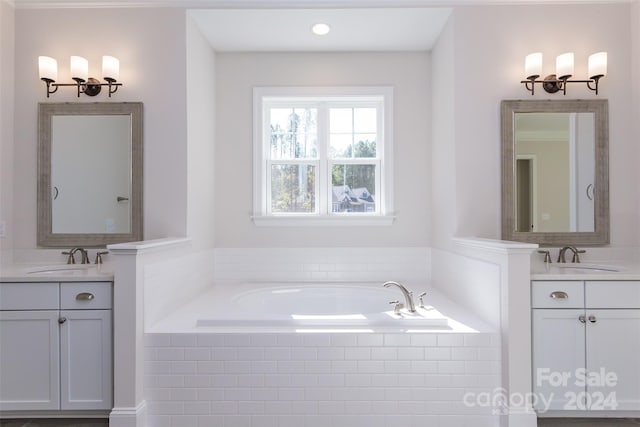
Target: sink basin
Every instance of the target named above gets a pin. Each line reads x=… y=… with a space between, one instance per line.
x=58 y=269
x=590 y=268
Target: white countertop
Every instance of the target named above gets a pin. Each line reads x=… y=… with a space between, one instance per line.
x=56 y=273
x=586 y=271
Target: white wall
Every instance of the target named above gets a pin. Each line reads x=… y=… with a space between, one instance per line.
x=150 y=43
x=236 y=76
x=489 y=45
x=201 y=109
x=7 y=26
x=635 y=84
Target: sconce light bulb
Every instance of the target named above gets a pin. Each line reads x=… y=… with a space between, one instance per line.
x=48 y=68
x=533 y=65
x=79 y=68
x=564 y=65
x=598 y=65
x=110 y=68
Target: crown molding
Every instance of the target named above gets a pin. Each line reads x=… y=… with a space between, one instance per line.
x=280 y=4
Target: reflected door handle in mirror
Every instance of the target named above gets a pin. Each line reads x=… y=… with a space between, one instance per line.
x=559 y=295
x=590 y=190
x=55 y=193
x=122 y=199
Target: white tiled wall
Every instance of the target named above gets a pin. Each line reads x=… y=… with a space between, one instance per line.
x=323 y=380
x=321 y=264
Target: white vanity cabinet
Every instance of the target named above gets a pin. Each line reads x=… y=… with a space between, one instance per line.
x=586 y=342
x=56 y=346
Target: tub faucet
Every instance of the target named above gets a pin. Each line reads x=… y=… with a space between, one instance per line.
x=408 y=296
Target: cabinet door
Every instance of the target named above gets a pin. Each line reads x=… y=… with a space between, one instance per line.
x=29 y=359
x=558 y=349
x=86 y=359
x=613 y=346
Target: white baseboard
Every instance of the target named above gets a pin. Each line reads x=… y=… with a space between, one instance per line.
x=129 y=417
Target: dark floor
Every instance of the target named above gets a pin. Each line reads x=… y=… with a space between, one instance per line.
x=542 y=422
x=62 y=422
x=588 y=422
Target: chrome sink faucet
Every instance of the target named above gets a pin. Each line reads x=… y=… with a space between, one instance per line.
x=72 y=260
x=576 y=252
x=408 y=295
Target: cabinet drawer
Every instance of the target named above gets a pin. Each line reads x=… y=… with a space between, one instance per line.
x=557 y=294
x=29 y=296
x=85 y=296
x=612 y=294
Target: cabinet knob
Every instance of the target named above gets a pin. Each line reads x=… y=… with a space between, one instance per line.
x=559 y=295
x=582 y=318
x=592 y=318
x=84 y=296
x=62 y=320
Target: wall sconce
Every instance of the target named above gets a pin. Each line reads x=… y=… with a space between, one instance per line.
x=564 y=70
x=79 y=68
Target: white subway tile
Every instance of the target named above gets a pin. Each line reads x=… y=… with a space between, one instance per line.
x=450 y=340
x=210 y=367
x=411 y=353
x=345 y=366
x=292 y=394
x=398 y=366
x=277 y=407
x=318 y=366
x=263 y=340
x=483 y=367
x=264 y=394
x=224 y=407
x=383 y=407
x=253 y=380
x=424 y=340
x=251 y=353
x=237 y=367
x=291 y=420
x=184 y=420
x=224 y=353
x=169 y=353
x=316 y=340
x=344 y=340
x=331 y=380
x=317 y=421
x=385 y=380
x=357 y=407
x=384 y=353
x=157 y=367
x=317 y=394
x=183 y=340
x=438 y=353
x=184 y=394
x=237 y=421
x=277 y=380
x=451 y=367
x=237 y=394
x=304 y=353
x=357 y=353
x=175 y=381
x=251 y=407
x=357 y=380
x=209 y=421
x=224 y=380
x=197 y=381
x=197 y=354
x=464 y=353
x=159 y=420
x=291 y=367
x=489 y=353
x=304 y=380
x=370 y=340
x=397 y=340
x=157 y=340
x=264 y=366
x=210 y=340
x=277 y=353
x=237 y=340
x=304 y=407
x=424 y=367
x=182 y=367
x=165 y=408
x=331 y=353
x=331 y=407
x=210 y=394
x=158 y=394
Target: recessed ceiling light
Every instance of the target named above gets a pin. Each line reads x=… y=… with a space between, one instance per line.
x=320 y=29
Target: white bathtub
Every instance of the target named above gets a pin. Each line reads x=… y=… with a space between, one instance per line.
x=315 y=307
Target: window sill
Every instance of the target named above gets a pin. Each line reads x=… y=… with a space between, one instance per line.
x=323 y=221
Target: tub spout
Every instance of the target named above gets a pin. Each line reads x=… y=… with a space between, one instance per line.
x=408 y=296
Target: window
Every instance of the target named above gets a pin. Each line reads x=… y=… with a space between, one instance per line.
x=322 y=156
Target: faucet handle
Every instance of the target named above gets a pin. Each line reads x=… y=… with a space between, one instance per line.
x=420 y=299
x=99 y=257
x=70 y=259
x=576 y=256
x=547 y=256
x=397 y=306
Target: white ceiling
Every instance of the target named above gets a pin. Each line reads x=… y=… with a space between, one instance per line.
x=285 y=25
x=405 y=29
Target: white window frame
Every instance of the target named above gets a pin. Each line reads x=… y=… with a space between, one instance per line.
x=323 y=215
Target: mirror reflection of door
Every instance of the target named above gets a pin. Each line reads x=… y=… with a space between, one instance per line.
x=525 y=203
x=91 y=174
x=559 y=193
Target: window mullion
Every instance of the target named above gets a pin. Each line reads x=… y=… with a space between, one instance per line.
x=323 y=184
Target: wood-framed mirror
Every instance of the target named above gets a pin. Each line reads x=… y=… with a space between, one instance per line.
x=89 y=174
x=555 y=172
